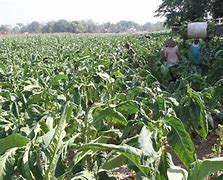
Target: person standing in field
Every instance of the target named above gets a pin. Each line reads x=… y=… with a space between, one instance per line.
x=171 y=57
x=195 y=52
x=131 y=53
x=171 y=52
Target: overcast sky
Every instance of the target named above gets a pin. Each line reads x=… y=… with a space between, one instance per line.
x=26 y=11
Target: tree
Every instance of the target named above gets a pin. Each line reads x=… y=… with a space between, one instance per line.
x=172 y=10
x=124 y=26
x=61 y=26
x=180 y=11
x=217 y=8
x=147 y=26
x=195 y=9
x=34 y=27
x=5 y=28
x=48 y=27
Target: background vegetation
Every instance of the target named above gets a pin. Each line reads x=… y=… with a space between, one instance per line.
x=81 y=27
x=179 y=12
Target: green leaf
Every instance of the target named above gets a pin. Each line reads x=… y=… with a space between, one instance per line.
x=110 y=114
x=197 y=112
x=25 y=163
x=55 y=146
x=133 y=154
x=114 y=161
x=180 y=141
x=118 y=74
x=11 y=141
x=165 y=163
x=76 y=96
x=128 y=107
x=201 y=169
x=15 y=109
x=219 y=53
x=6 y=164
x=56 y=79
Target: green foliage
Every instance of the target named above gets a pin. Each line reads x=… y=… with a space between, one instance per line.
x=180 y=141
x=7 y=161
x=76 y=107
x=201 y=169
x=178 y=12
x=12 y=141
x=54 y=147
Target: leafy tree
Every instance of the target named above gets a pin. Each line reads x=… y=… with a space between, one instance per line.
x=217 y=8
x=123 y=26
x=179 y=11
x=48 y=27
x=78 y=26
x=194 y=10
x=34 y=27
x=5 y=28
x=61 y=26
x=147 y=26
x=173 y=11
x=88 y=26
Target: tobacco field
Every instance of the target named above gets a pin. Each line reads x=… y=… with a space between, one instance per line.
x=78 y=106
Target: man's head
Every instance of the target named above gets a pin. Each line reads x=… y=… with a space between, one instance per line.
x=170 y=43
x=127 y=45
x=196 y=41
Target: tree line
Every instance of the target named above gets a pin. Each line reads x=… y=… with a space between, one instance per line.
x=178 y=12
x=87 y=26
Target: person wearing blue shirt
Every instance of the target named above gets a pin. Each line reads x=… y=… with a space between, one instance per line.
x=195 y=52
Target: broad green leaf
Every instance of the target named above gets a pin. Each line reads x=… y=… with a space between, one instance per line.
x=110 y=114
x=133 y=154
x=201 y=169
x=114 y=161
x=197 y=112
x=134 y=92
x=128 y=107
x=35 y=98
x=11 y=141
x=6 y=163
x=213 y=95
x=179 y=139
x=165 y=163
x=6 y=85
x=54 y=148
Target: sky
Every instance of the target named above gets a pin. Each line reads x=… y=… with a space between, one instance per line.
x=100 y=11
